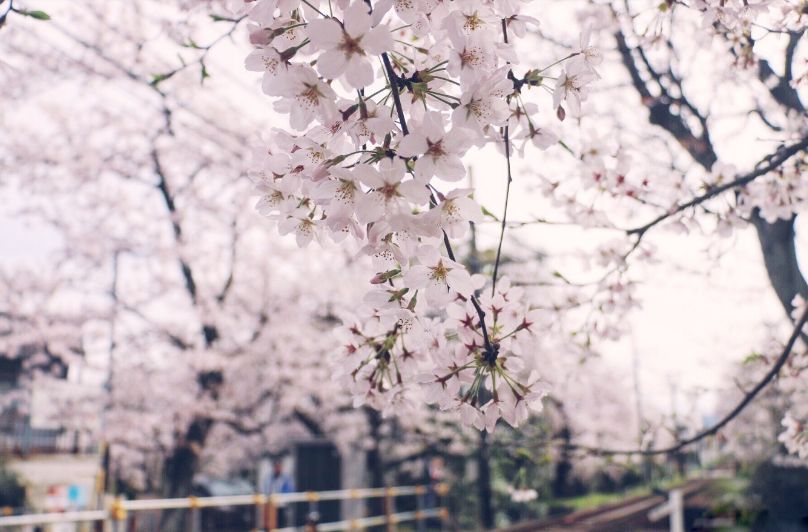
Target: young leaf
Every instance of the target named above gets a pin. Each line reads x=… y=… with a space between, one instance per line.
x=39 y=15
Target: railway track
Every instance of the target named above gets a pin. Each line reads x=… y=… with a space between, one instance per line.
x=630 y=515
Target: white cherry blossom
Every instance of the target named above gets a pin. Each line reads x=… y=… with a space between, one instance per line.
x=439 y=152
x=348 y=45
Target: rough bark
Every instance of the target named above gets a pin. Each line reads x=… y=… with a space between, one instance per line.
x=374 y=461
x=484 y=491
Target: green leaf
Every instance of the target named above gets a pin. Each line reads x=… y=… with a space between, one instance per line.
x=204 y=74
x=158 y=78
x=39 y=15
x=751 y=358
x=486 y=212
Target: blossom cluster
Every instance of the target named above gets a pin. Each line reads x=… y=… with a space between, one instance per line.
x=795 y=436
x=389 y=350
x=779 y=194
x=739 y=14
x=522 y=495
x=383 y=100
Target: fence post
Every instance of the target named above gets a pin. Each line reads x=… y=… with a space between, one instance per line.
x=195 y=517
x=260 y=501
x=271 y=514
x=441 y=490
x=677 y=511
x=313 y=511
x=420 y=491
x=388 y=509
x=117 y=514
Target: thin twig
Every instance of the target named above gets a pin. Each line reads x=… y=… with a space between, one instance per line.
x=772 y=162
x=507 y=138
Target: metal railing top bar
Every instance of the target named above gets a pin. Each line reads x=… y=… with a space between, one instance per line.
x=156 y=504
x=364 y=522
x=120 y=507
x=53 y=518
x=333 y=495
x=277 y=498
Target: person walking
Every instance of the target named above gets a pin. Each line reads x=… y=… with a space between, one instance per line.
x=278 y=482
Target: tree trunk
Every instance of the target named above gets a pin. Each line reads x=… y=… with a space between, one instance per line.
x=374 y=461
x=179 y=470
x=780 y=257
x=563 y=467
x=485 y=493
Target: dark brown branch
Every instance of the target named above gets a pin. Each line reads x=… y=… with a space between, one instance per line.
x=776 y=239
x=660 y=112
x=228 y=283
x=209 y=332
x=310 y=423
x=782 y=91
x=168 y=199
x=393 y=78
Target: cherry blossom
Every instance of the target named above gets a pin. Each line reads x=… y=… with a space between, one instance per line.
x=794 y=437
x=347 y=46
x=439 y=276
x=439 y=152
x=571 y=86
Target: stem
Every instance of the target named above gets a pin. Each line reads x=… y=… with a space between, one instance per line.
x=559 y=61
x=314 y=8
x=393 y=79
x=506 y=134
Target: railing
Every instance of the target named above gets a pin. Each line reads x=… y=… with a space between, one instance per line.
x=121 y=512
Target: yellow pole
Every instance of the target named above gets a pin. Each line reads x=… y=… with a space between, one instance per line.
x=271 y=514
x=118 y=514
x=260 y=500
x=388 y=509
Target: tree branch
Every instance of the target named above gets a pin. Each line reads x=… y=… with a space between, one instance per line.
x=766 y=165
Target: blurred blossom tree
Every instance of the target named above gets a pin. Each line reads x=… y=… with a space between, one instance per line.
x=209 y=338
x=218 y=332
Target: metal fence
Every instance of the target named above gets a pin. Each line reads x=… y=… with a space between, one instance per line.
x=146 y=515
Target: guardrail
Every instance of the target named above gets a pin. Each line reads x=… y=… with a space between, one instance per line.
x=120 y=511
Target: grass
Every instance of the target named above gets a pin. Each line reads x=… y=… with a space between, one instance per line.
x=593 y=500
